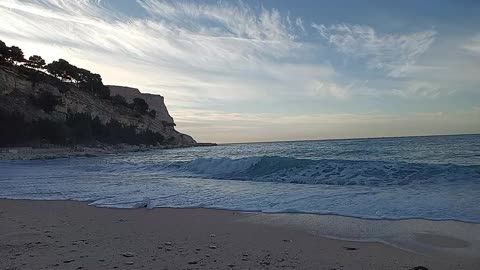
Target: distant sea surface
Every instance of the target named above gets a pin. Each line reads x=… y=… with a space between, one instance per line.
x=435 y=177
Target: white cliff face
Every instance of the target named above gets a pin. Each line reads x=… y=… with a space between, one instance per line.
x=155 y=102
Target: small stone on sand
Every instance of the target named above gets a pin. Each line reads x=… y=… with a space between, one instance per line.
x=212 y=247
x=128 y=254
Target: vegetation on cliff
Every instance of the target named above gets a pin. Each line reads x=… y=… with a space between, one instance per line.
x=79 y=128
x=76 y=128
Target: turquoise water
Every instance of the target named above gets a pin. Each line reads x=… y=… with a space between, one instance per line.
x=436 y=177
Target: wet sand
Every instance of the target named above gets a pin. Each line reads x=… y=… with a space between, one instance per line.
x=73 y=235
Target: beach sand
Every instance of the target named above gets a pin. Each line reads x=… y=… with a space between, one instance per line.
x=73 y=235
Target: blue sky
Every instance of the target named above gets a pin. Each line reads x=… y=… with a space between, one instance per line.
x=235 y=71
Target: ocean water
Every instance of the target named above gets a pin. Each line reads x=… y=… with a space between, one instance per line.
x=436 y=177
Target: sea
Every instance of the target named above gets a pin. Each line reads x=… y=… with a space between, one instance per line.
x=433 y=177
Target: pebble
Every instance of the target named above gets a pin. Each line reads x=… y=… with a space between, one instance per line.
x=128 y=254
x=212 y=247
x=68 y=261
x=168 y=243
x=192 y=262
x=129 y=263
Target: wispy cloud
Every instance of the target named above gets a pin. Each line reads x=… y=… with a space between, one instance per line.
x=416 y=89
x=393 y=53
x=185 y=46
x=473 y=45
x=213 y=59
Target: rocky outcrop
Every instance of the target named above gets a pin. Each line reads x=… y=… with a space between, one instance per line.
x=155 y=102
x=16 y=90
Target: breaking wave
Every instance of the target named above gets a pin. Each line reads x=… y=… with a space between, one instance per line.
x=326 y=171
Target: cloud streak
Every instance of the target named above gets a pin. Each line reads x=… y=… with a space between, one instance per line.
x=473 y=45
x=392 y=53
x=215 y=60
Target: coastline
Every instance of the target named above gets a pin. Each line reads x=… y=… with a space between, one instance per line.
x=56 y=152
x=74 y=235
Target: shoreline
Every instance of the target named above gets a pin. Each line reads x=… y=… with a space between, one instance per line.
x=57 y=152
x=184 y=239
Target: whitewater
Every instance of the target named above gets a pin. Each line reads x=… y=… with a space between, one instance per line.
x=435 y=177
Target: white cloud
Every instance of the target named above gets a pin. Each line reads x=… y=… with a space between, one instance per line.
x=473 y=45
x=299 y=23
x=207 y=56
x=198 y=49
x=226 y=20
x=422 y=89
x=325 y=88
x=393 y=53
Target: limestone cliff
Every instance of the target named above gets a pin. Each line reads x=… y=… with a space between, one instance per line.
x=155 y=102
x=15 y=91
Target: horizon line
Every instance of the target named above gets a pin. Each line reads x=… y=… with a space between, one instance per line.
x=353 y=138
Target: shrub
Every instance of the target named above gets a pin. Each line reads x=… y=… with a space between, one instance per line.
x=48 y=130
x=79 y=128
x=119 y=100
x=46 y=101
x=13 y=128
x=140 y=105
x=152 y=113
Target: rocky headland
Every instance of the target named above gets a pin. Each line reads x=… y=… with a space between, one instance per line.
x=60 y=106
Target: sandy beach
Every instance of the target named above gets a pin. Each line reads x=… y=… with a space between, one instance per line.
x=73 y=235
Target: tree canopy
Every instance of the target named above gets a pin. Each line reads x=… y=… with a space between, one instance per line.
x=12 y=55
x=35 y=61
x=84 y=79
x=61 y=69
x=79 y=128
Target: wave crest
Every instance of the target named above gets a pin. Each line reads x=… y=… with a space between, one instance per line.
x=324 y=171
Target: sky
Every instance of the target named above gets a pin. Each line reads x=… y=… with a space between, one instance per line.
x=244 y=71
